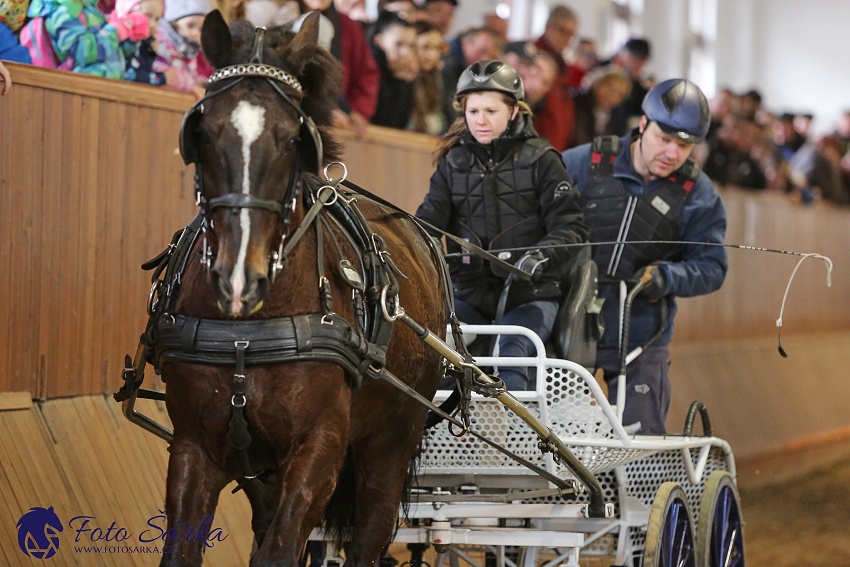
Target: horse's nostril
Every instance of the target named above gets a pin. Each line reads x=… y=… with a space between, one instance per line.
x=221 y=284
x=257 y=288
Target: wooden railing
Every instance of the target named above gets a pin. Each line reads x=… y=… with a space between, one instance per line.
x=92 y=185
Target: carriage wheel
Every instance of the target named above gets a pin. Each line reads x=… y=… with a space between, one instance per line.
x=720 y=530
x=669 y=533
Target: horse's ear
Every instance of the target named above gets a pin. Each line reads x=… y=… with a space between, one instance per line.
x=216 y=39
x=309 y=32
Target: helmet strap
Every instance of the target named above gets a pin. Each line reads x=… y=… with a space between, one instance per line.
x=641 y=130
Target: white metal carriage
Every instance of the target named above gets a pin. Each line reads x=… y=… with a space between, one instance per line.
x=670 y=500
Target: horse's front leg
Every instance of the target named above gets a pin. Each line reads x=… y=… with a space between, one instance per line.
x=194 y=483
x=307 y=479
x=381 y=463
x=263 y=498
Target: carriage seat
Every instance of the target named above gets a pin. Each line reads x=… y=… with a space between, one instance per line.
x=579 y=323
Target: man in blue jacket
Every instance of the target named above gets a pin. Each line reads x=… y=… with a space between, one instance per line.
x=650 y=209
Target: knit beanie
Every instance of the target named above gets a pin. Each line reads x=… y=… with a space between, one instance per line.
x=176 y=9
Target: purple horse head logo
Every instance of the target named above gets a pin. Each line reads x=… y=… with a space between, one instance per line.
x=38 y=533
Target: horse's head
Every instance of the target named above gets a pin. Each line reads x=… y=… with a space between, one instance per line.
x=260 y=126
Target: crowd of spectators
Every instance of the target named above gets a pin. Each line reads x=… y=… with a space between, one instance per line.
x=400 y=71
x=752 y=148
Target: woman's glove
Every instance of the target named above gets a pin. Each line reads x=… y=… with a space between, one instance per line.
x=533 y=263
x=134 y=26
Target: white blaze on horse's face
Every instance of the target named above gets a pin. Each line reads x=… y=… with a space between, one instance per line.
x=249 y=121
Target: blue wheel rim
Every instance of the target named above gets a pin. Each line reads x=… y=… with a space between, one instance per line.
x=677 y=543
x=726 y=548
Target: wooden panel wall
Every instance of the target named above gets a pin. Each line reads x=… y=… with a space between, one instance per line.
x=91 y=185
x=748 y=304
x=760 y=402
x=82 y=458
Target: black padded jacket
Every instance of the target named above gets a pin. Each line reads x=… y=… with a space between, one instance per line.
x=511 y=194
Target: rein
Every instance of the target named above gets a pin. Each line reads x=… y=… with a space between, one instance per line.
x=473 y=249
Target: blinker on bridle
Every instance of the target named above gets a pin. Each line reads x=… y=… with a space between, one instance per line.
x=224 y=79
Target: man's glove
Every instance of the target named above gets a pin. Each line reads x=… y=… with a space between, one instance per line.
x=653 y=279
x=533 y=263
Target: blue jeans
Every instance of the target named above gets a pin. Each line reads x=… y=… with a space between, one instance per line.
x=538 y=316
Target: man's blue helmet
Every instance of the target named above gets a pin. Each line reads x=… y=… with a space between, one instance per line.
x=679 y=108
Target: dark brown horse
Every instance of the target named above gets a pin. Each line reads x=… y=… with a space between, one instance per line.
x=331 y=450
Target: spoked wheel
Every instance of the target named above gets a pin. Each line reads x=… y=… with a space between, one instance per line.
x=720 y=530
x=670 y=532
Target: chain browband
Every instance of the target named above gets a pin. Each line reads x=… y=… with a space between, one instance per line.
x=255 y=70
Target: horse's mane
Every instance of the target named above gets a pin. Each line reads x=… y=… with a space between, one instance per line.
x=318 y=71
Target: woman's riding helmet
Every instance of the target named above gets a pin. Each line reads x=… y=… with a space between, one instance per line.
x=679 y=108
x=491 y=75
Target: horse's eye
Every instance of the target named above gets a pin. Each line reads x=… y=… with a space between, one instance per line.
x=207 y=134
x=204 y=137
x=292 y=143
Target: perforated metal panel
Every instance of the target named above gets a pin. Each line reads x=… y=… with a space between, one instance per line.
x=643 y=477
x=565 y=403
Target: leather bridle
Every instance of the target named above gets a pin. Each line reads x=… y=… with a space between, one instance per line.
x=281 y=81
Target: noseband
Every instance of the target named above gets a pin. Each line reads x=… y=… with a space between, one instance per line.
x=220 y=81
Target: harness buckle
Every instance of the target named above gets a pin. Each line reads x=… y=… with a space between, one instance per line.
x=277 y=260
x=238 y=400
x=380 y=247
x=206 y=253
x=153 y=296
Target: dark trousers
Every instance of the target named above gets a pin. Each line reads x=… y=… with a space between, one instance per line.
x=647 y=387
x=538 y=316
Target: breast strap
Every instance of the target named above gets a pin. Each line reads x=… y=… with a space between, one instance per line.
x=300 y=338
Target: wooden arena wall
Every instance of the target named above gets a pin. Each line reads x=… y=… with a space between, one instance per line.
x=79 y=456
x=92 y=185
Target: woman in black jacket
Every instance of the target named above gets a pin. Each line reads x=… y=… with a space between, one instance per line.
x=502 y=187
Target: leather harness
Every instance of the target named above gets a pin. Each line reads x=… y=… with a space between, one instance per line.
x=359 y=347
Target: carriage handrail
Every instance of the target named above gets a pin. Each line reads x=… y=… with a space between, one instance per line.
x=538 y=361
x=542 y=362
x=622 y=439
